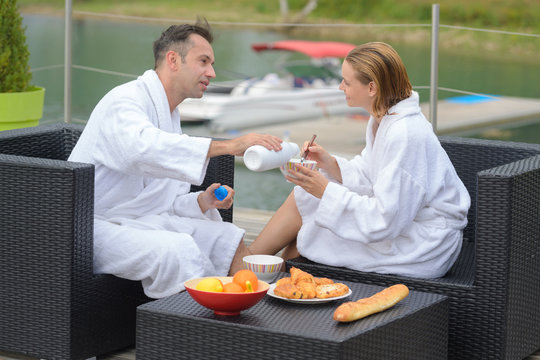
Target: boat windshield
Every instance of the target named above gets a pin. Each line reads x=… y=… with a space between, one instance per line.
x=310 y=70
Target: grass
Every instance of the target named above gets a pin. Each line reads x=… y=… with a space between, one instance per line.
x=510 y=15
x=506 y=15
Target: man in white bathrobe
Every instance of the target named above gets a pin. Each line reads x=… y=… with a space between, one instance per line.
x=147 y=225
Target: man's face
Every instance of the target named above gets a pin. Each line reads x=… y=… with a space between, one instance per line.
x=197 y=69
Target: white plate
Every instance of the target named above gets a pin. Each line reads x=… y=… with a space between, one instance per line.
x=305 y=301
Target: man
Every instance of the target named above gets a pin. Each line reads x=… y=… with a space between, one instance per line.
x=147 y=225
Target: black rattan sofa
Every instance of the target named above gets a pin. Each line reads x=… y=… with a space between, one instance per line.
x=52 y=306
x=494 y=287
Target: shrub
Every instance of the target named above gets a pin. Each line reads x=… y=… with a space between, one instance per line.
x=15 y=72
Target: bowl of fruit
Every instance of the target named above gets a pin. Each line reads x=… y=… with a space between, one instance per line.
x=228 y=295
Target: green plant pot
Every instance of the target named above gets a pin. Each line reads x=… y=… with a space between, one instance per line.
x=21 y=109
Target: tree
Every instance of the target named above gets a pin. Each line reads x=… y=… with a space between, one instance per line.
x=15 y=75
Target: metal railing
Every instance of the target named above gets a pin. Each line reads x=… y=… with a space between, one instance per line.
x=435 y=26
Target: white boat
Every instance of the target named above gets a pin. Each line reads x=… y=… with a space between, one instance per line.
x=307 y=90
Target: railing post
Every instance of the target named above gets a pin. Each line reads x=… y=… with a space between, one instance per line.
x=433 y=89
x=67 y=62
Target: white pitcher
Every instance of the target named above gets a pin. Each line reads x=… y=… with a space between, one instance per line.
x=259 y=158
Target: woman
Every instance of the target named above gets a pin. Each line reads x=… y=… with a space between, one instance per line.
x=397 y=208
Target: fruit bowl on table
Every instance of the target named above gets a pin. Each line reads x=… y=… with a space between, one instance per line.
x=226 y=303
x=266 y=267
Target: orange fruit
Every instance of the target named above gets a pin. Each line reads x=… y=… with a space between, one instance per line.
x=232 y=287
x=246 y=277
x=210 y=284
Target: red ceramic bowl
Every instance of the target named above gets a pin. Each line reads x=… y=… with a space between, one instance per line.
x=225 y=303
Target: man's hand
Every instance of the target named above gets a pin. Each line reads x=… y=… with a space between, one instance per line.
x=310 y=180
x=207 y=199
x=240 y=144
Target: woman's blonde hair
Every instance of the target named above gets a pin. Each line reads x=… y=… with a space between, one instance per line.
x=380 y=63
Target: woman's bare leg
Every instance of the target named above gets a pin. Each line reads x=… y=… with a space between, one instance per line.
x=280 y=231
x=237 y=263
x=290 y=252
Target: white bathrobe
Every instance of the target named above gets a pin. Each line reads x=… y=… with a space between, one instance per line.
x=400 y=209
x=147 y=225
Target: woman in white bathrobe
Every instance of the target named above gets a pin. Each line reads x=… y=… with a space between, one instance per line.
x=397 y=208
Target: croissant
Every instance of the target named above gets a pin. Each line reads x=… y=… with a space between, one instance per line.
x=308 y=289
x=288 y=291
x=323 y=281
x=285 y=280
x=298 y=275
x=302 y=285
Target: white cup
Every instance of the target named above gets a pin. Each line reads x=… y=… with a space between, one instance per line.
x=290 y=166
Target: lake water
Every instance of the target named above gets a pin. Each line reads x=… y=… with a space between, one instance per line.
x=126 y=48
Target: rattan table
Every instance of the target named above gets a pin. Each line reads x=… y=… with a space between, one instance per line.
x=179 y=328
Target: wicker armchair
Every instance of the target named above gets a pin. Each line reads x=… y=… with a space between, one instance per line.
x=51 y=304
x=494 y=286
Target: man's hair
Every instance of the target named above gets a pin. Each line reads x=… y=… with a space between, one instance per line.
x=176 y=38
x=380 y=63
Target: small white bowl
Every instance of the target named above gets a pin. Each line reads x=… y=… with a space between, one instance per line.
x=266 y=267
x=290 y=166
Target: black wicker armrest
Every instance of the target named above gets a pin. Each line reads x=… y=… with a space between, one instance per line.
x=46 y=245
x=55 y=141
x=508 y=257
x=508 y=219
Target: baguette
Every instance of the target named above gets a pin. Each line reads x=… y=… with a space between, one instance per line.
x=385 y=299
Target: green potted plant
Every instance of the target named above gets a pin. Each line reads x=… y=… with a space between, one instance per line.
x=21 y=105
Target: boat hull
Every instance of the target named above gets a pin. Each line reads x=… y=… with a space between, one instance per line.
x=224 y=112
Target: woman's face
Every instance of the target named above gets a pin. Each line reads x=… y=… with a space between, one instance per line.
x=356 y=93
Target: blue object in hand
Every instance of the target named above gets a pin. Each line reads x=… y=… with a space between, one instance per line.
x=221 y=193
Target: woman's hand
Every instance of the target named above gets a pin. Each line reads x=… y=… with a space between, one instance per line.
x=310 y=180
x=207 y=199
x=324 y=160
